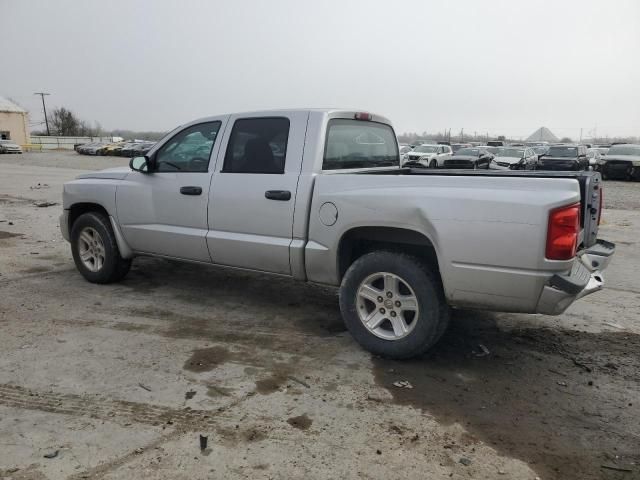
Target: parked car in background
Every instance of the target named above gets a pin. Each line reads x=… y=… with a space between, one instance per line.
x=93 y=149
x=110 y=148
x=404 y=149
x=564 y=158
x=457 y=146
x=142 y=148
x=595 y=158
x=127 y=150
x=432 y=156
x=8 y=146
x=490 y=149
x=470 y=158
x=540 y=150
x=495 y=143
x=87 y=148
x=515 y=158
x=622 y=161
x=122 y=150
x=603 y=150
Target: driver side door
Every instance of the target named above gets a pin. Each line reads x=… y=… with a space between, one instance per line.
x=164 y=212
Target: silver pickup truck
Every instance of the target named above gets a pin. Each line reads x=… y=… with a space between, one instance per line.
x=319 y=196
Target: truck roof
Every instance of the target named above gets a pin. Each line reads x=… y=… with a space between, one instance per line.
x=331 y=112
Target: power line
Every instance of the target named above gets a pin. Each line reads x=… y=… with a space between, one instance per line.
x=46 y=120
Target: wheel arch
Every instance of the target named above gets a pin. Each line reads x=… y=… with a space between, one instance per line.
x=361 y=240
x=80 y=208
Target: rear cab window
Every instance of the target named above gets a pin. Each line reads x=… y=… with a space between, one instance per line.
x=359 y=144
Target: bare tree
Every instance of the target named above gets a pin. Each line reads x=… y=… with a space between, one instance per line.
x=64 y=123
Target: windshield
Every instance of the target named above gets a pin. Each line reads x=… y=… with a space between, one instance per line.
x=468 y=151
x=6 y=141
x=624 y=150
x=566 y=152
x=426 y=149
x=510 y=152
x=359 y=144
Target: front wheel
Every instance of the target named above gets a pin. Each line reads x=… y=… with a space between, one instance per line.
x=433 y=163
x=95 y=251
x=393 y=304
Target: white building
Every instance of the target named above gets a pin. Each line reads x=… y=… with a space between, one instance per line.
x=13 y=122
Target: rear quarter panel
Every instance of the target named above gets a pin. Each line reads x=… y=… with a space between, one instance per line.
x=489 y=234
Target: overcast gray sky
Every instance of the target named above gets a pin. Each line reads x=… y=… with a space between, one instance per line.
x=506 y=67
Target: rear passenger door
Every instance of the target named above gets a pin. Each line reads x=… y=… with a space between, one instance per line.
x=253 y=191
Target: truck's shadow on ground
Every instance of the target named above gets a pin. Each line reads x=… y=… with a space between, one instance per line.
x=564 y=401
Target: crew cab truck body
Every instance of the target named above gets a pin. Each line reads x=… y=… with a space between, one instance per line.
x=318 y=195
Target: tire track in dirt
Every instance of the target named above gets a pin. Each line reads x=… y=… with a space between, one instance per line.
x=118 y=411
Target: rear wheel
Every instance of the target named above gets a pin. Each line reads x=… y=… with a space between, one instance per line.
x=393 y=304
x=95 y=251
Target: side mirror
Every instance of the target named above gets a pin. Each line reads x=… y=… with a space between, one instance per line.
x=139 y=164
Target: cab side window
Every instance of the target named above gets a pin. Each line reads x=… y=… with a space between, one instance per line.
x=257 y=145
x=189 y=150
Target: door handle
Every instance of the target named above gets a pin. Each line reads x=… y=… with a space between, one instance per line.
x=191 y=190
x=283 y=195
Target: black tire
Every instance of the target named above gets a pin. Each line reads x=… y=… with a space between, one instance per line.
x=114 y=267
x=434 y=312
x=433 y=163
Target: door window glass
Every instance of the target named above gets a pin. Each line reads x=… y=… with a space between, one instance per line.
x=189 y=150
x=257 y=145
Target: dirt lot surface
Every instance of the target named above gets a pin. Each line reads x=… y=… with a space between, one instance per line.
x=120 y=381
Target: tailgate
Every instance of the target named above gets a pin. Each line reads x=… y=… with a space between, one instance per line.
x=590 y=203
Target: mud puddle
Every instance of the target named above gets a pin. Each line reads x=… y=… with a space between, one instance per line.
x=565 y=402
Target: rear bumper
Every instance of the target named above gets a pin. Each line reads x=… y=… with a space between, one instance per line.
x=584 y=278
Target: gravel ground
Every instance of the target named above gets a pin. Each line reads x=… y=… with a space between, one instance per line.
x=119 y=381
x=622 y=195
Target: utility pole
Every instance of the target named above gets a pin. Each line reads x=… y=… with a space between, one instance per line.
x=462 y=135
x=580 y=134
x=46 y=120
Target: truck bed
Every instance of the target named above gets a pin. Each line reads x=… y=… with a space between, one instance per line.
x=589 y=181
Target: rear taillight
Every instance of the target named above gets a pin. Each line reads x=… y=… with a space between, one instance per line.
x=562 y=232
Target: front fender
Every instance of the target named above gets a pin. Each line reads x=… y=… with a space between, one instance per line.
x=97 y=191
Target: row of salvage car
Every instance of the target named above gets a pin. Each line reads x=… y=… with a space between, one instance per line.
x=133 y=148
x=620 y=161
